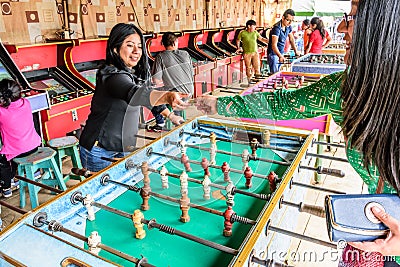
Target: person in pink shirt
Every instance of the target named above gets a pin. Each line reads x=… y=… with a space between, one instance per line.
x=319 y=38
x=18 y=134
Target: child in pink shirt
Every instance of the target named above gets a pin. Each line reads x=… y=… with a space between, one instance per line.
x=18 y=134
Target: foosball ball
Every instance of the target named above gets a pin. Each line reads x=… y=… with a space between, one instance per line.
x=319 y=63
x=209 y=193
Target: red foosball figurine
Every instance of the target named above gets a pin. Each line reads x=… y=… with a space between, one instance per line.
x=227 y=223
x=225 y=169
x=186 y=163
x=248 y=174
x=272 y=177
x=204 y=164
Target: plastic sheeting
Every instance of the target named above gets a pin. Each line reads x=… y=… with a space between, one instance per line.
x=320 y=7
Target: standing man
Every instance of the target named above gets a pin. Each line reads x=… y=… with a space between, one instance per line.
x=249 y=38
x=172 y=70
x=277 y=38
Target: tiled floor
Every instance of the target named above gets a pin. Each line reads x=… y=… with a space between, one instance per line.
x=303 y=253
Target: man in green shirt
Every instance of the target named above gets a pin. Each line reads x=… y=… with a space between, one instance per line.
x=249 y=38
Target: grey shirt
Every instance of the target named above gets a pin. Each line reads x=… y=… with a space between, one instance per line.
x=174 y=68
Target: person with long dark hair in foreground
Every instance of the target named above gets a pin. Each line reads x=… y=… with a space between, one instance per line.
x=364 y=100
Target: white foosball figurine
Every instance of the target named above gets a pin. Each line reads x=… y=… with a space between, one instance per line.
x=213 y=148
x=164 y=177
x=230 y=194
x=184 y=183
x=87 y=202
x=245 y=158
x=94 y=240
x=137 y=223
x=213 y=153
x=182 y=145
x=206 y=187
x=266 y=135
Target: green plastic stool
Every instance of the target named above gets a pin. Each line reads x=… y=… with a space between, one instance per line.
x=168 y=124
x=67 y=146
x=43 y=159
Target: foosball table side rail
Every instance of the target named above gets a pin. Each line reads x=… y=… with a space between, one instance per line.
x=270 y=245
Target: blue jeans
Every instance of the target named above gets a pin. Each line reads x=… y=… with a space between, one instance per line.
x=273 y=63
x=91 y=160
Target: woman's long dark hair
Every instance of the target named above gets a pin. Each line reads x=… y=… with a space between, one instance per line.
x=371 y=91
x=117 y=36
x=10 y=91
x=320 y=26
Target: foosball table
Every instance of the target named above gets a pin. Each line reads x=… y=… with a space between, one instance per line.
x=319 y=63
x=335 y=49
x=209 y=193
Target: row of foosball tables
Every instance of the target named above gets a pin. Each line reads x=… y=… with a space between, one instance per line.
x=208 y=193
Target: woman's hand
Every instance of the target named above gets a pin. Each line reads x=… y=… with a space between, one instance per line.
x=390 y=246
x=206 y=104
x=174 y=99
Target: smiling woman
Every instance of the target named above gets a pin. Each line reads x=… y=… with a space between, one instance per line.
x=122 y=86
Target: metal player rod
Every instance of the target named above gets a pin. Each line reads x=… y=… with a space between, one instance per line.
x=145 y=137
x=319 y=170
x=172 y=231
x=12 y=260
x=299 y=236
x=162 y=227
x=228 y=91
x=311 y=209
x=16 y=209
x=259 y=196
x=52 y=189
x=54 y=226
x=242 y=142
x=105 y=179
x=325 y=157
x=230 y=87
x=328 y=144
x=130 y=165
x=317 y=188
x=251 y=157
x=299 y=139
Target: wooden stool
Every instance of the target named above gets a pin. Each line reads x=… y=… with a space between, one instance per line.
x=64 y=146
x=51 y=175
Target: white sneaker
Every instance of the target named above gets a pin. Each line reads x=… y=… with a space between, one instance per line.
x=14 y=184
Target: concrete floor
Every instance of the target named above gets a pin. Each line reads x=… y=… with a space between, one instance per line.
x=302 y=253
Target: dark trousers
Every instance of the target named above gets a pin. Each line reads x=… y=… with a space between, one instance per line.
x=8 y=169
x=156 y=111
